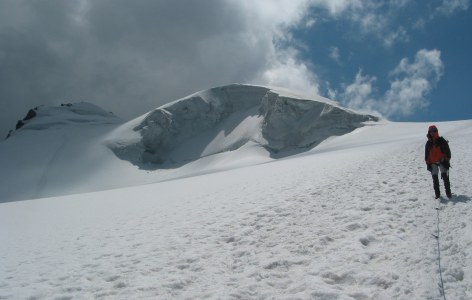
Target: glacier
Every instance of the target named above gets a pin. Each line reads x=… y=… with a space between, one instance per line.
x=227 y=118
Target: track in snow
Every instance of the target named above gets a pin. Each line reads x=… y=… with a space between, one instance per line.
x=336 y=225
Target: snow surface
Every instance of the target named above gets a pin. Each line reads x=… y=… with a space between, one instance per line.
x=55 y=152
x=352 y=218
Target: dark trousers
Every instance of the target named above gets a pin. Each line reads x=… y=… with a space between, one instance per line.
x=436 y=168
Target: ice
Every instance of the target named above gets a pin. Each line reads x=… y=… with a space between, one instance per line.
x=226 y=118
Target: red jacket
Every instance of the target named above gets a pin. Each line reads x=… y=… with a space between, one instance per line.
x=436 y=150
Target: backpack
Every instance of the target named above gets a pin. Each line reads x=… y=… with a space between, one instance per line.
x=444 y=145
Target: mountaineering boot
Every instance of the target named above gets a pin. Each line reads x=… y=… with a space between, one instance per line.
x=437 y=192
x=447 y=184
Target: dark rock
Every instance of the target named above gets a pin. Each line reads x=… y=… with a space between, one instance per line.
x=19 y=124
x=31 y=114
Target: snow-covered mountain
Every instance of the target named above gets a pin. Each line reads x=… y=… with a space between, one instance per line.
x=215 y=129
x=54 y=150
x=229 y=118
x=349 y=217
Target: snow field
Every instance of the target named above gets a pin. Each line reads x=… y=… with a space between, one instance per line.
x=351 y=219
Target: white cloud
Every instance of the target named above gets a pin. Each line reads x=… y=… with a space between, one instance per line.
x=310 y=23
x=450 y=7
x=338 y=7
x=408 y=90
x=427 y=64
x=282 y=66
x=440 y=8
x=358 y=95
x=289 y=73
x=413 y=82
x=419 y=24
x=374 y=18
x=334 y=54
x=405 y=96
x=400 y=35
x=445 y=8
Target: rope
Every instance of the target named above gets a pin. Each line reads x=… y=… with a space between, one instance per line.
x=441 y=286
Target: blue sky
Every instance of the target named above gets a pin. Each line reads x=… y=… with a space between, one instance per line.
x=407 y=60
x=341 y=47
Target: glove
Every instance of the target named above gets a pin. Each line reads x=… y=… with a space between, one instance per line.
x=429 y=167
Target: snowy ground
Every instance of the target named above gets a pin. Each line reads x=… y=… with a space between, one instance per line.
x=352 y=219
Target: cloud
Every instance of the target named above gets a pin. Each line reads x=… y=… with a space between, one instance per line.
x=427 y=64
x=445 y=8
x=290 y=73
x=411 y=83
x=450 y=7
x=310 y=23
x=132 y=56
x=339 y=7
x=370 y=17
x=392 y=38
x=358 y=95
x=334 y=54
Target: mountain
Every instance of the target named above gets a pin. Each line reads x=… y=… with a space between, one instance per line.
x=79 y=147
x=55 y=151
x=352 y=218
x=228 y=118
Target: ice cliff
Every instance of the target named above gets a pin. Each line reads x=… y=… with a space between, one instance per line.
x=228 y=118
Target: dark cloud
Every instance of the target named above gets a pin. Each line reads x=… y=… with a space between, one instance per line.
x=128 y=56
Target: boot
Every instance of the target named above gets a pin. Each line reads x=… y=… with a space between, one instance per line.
x=437 y=192
x=447 y=184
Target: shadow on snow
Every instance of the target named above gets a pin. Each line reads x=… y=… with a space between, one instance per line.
x=456 y=199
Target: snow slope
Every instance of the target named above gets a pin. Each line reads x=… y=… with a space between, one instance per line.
x=71 y=149
x=353 y=218
x=57 y=152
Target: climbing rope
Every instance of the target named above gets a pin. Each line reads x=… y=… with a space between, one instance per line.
x=441 y=286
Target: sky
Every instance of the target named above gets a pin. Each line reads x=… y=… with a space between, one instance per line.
x=406 y=60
